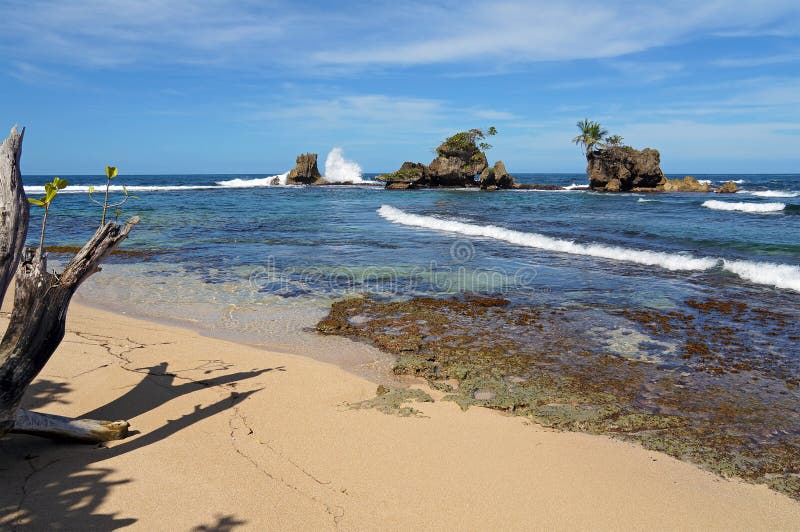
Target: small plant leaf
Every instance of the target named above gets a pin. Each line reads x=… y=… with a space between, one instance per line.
x=51 y=193
x=35 y=201
x=91 y=189
x=118 y=212
x=59 y=183
x=111 y=172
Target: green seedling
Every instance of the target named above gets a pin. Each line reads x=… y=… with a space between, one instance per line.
x=50 y=192
x=111 y=173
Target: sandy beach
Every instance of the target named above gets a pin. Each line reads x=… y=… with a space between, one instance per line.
x=226 y=436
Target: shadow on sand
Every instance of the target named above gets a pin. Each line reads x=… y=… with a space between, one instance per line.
x=76 y=486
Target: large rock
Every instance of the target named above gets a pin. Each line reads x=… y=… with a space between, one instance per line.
x=622 y=168
x=305 y=171
x=687 y=184
x=456 y=171
x=496 y=176
x=728 y=188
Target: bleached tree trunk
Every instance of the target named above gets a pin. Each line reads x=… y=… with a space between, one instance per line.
x=41 y=300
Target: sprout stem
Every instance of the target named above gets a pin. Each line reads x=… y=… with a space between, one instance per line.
x=44 y=224
x=105 y=203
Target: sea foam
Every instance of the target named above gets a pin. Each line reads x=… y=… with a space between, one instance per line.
x=766 y=273
x=279 y=179
x=744 y=207
x=341 y=170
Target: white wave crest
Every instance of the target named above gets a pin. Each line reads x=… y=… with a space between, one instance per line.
x=341 y=170
x=766 y=273
x=83 y=189
x=774 y=194
x=279 y=179
x=779 y=275
x=642 y=200
x=704 y=181
x=670 y=261
x=738 y=181
x=574 y=186
x=744 y=207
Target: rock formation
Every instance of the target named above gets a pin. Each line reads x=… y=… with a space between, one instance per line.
x=622 y=168
x=305 y=171
x=459 y=160
x=687 y=184
x=496 y=176
x=728 y=188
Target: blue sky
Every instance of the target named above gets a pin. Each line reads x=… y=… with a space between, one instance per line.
x=242 y=87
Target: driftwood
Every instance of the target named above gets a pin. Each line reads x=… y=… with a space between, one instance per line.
x=41 y=299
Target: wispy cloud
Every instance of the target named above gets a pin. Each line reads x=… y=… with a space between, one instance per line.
x=747 y=62
x=309 y=35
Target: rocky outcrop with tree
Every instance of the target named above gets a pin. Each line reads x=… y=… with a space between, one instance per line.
x=614 y=167
x=460 y=158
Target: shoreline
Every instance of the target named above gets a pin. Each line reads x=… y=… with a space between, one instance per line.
x=235 y=435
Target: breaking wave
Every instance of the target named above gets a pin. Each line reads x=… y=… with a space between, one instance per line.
x=279 y=179
x=774 y=194
x=744 y=207
x=670 y=261
x=778 y=275
x=74 y=189
x=341 y=170
x=766 y=273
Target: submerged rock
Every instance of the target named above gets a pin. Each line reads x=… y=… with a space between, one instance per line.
x=305 y=171
x=725 y=399
x=687 y=184
x=728 y=188
x=622 y=168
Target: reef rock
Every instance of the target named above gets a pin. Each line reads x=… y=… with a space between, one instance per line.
x=687 y=184
x=622 y=168
x=728 y=188
x=305 y=171
x=408 y=173
x=496 y=176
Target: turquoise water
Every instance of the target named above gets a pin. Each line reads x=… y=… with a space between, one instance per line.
x=257 y=262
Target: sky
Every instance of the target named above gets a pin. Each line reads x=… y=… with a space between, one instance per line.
x=219 y=86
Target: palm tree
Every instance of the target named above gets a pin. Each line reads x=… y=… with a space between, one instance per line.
x=613 y=140
x=591 y=134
